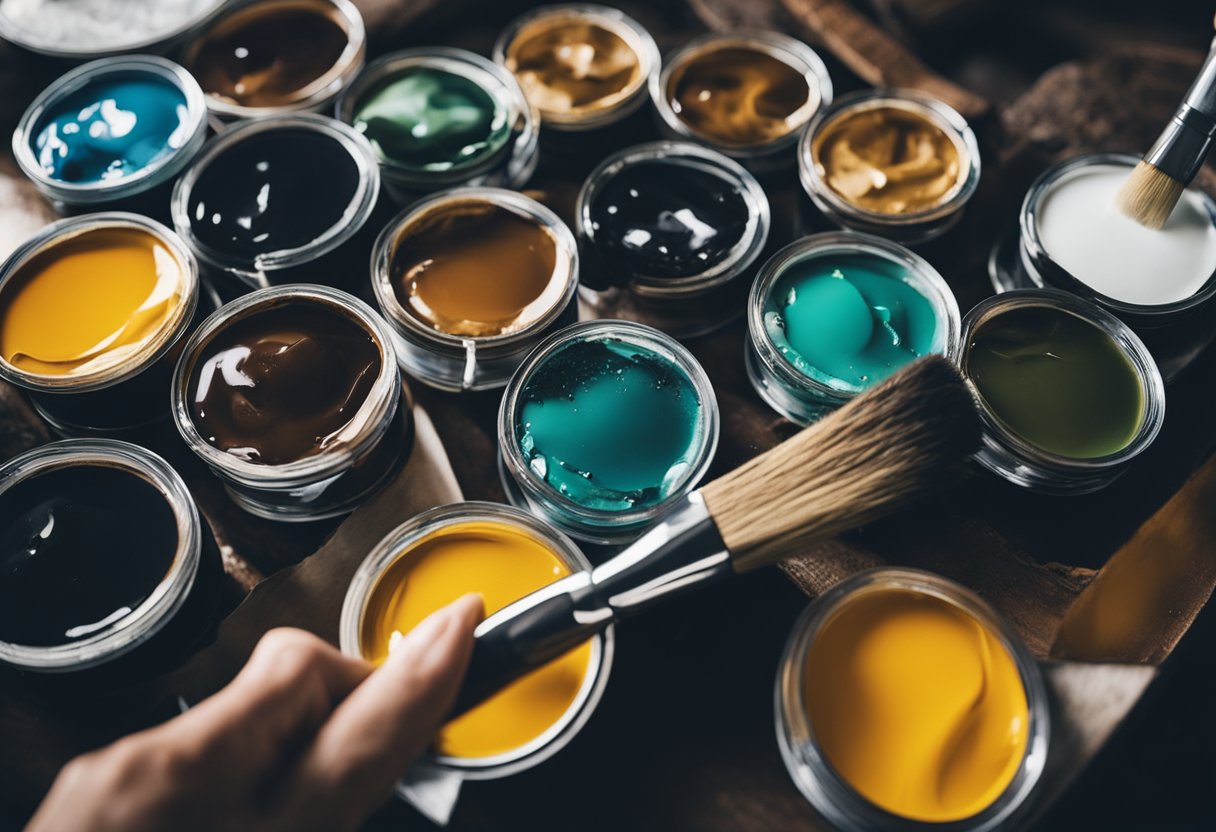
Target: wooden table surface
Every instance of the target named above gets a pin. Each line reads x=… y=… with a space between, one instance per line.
x=684 y=738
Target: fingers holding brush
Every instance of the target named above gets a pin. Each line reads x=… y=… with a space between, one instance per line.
x=304 y=738
x=274 y=706
x=390 y=720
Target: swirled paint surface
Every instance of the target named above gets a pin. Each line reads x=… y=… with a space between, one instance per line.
x=432 y=120
x=610 y=425
x=666 y=219
x=477 y=269
x=848 y=320
x=283 y=383
x=917 y=704
x=889 y=159
x=741 y=97
x=572 y=64
x=92 y=302
x=111 y=129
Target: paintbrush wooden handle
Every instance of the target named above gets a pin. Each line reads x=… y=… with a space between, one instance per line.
x=876 y=56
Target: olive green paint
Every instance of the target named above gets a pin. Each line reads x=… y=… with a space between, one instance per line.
x=1057 y=381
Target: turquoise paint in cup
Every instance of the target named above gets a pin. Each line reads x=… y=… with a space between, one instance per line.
x=604 y=426
x=850 y=321
x=833 y=314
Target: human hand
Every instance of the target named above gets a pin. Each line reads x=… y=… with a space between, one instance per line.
x=303 y=738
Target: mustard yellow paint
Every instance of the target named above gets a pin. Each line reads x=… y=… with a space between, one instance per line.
x=916 y=704
x=89 y=302
x=503 y=563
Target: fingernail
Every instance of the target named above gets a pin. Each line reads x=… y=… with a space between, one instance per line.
x=471 y=606
x=431 y=632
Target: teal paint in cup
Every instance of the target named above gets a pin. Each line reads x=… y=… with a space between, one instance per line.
x=834 y=314
x=605 y=425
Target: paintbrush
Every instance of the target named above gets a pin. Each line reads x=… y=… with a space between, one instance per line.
x=905 y=437
x=1155 y=186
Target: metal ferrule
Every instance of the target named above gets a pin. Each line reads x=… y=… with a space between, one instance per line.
x=680 y=551
x=1184 y=144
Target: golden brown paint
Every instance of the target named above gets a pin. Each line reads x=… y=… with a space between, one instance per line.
x=568 y=64
x=476 y=269
x=888 y=159
x=741 y=97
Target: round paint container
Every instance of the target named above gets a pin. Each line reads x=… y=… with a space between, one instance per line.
x=270 y=57
x=832 y=314
x=1067 y=393
x=604 y=427
x=670 y=233
x=292 y=397
x=93 y=311
x=745 y=95
x=899 y=164
x=877 y=678
x=113 y=133
x=503 y=554
x=110 y=574
x=280 y=200
x=582 y=66
x=439 y=118
x=79 y=30
x=1073 y=237
x=470 y=280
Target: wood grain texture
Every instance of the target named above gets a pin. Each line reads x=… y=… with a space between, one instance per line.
x=927 y=15
x=1115 y=103
x=876 y=56
x=735 y=15
x=1151 y=590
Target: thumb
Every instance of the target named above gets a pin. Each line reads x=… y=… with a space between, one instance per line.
x=389 y=721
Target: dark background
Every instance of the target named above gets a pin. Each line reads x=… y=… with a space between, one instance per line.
x=696 y=682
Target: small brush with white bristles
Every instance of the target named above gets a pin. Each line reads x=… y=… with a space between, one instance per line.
x=1157 y=183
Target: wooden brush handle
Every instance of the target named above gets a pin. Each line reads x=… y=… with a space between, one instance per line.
x=875 y=56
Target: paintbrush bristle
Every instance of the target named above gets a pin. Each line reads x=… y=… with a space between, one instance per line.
x=901 y=439
x=1149 y=196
